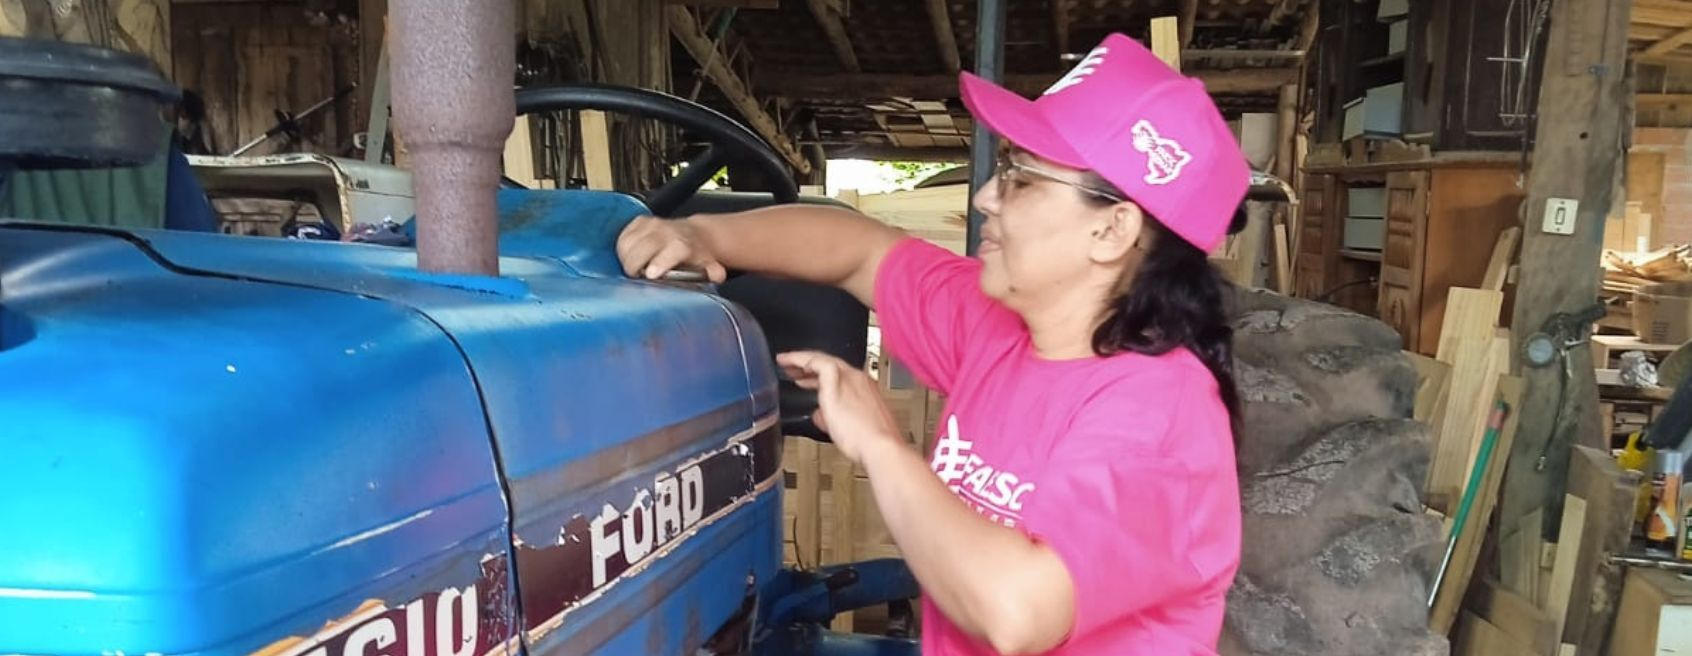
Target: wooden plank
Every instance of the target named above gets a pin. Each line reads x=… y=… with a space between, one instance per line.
x=828 y=17
x=1188 y=19
x=1478 y=637
x=1519 y=556
x=1433 y=384
x=807 y=530
x=596 y=150
x=1166 y=40
x=931 y=86
x=945 y=40
x=1060 y=25
x=1669 y=44
x=1502 y=252
x=1483 y=489
x=1645 y=171
x=1558 y=595
x=846 y=524
x=1610 y=494
x=1477 y=358
x=1283 y=262
x=1518 y=616
x=1582 y=119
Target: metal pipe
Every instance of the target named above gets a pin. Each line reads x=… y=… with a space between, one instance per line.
x=989 y=64
x=454 y=70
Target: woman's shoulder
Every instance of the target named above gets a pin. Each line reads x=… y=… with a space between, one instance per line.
x=1179 y=368
x=1169 y=389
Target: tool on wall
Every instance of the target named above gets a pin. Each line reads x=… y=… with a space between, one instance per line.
x=288 y=123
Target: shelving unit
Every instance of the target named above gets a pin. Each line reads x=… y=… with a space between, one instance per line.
x=1434 y=139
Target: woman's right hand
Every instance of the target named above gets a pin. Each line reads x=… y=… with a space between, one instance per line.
x=650 y=247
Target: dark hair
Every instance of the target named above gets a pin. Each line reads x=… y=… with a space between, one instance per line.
x=1176 y=298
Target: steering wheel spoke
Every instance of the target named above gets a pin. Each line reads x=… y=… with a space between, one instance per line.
x=729 y=140
x=694 y=176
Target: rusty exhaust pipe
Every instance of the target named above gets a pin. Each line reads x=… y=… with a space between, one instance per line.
x=454 y=67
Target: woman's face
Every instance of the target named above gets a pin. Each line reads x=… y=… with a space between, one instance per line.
x=1040 y=233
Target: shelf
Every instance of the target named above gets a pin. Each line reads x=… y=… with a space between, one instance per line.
x=1365 y=256
x=1377 y=61
x=1458 y=158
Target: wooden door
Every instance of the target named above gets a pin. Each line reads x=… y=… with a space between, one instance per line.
x=1402 y=255
x=1319 y=239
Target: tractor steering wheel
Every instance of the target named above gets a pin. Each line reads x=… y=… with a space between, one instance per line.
x=728 y=139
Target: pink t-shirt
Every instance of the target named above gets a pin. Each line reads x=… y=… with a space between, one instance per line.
x=1124 y=466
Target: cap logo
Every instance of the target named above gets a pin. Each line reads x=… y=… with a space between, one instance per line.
x=1079 y=74
x=1164 y=157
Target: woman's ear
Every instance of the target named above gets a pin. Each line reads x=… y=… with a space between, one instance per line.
x=1118 y=232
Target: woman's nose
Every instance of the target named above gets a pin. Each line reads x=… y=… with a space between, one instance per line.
x=986 y=199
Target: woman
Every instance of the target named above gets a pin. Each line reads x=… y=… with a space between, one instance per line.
x=1081 y=497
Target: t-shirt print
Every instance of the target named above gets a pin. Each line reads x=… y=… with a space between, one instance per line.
x=996 y=493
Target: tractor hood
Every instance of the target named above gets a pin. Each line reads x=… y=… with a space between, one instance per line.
x=224 y=444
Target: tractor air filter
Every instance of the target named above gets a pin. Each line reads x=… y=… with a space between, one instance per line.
x=66 y=105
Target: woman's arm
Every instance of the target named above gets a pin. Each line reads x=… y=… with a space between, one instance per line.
x=991 y=581
x=813 y=243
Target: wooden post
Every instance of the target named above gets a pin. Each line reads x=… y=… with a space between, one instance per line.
x=1166 y=40
x=1584 y=114
x=1286 y=137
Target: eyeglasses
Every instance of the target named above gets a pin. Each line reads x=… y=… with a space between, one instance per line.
x=1005 y=170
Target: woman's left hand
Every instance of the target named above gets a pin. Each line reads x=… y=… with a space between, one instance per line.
x=849 y=404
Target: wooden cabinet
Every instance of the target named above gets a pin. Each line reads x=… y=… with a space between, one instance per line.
x=1442 y=223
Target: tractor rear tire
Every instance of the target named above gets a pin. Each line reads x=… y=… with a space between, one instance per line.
x=1338 y=557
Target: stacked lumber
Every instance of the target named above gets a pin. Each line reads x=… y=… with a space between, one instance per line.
x=1563 y=600
x=1626 y=272
x=1468 y=400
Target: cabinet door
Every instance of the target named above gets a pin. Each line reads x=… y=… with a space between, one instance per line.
x=1403 y=254
x=1319 y=237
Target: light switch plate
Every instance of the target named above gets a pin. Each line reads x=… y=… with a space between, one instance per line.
x=1560 y=215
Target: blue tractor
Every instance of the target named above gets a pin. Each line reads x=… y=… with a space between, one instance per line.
x=223 y=444
x=230 y=444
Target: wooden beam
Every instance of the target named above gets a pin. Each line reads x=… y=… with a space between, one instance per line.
x=1189 y=18
x=1663 y=99
x=834 y=29
x=1670 y=44
x=1311 y=27
x=1278 y=14
x=1060 y=25
x=692 y=37
x=944 y=39
x=1662 y=16
x=1584 y=110
x=1232 y=81
x=738 y=4
x=957 y=154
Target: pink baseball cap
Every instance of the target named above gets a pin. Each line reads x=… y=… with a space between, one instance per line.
x=1124 y=114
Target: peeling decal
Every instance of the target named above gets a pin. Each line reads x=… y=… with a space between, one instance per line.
x=625 y=536
x=472 y=620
